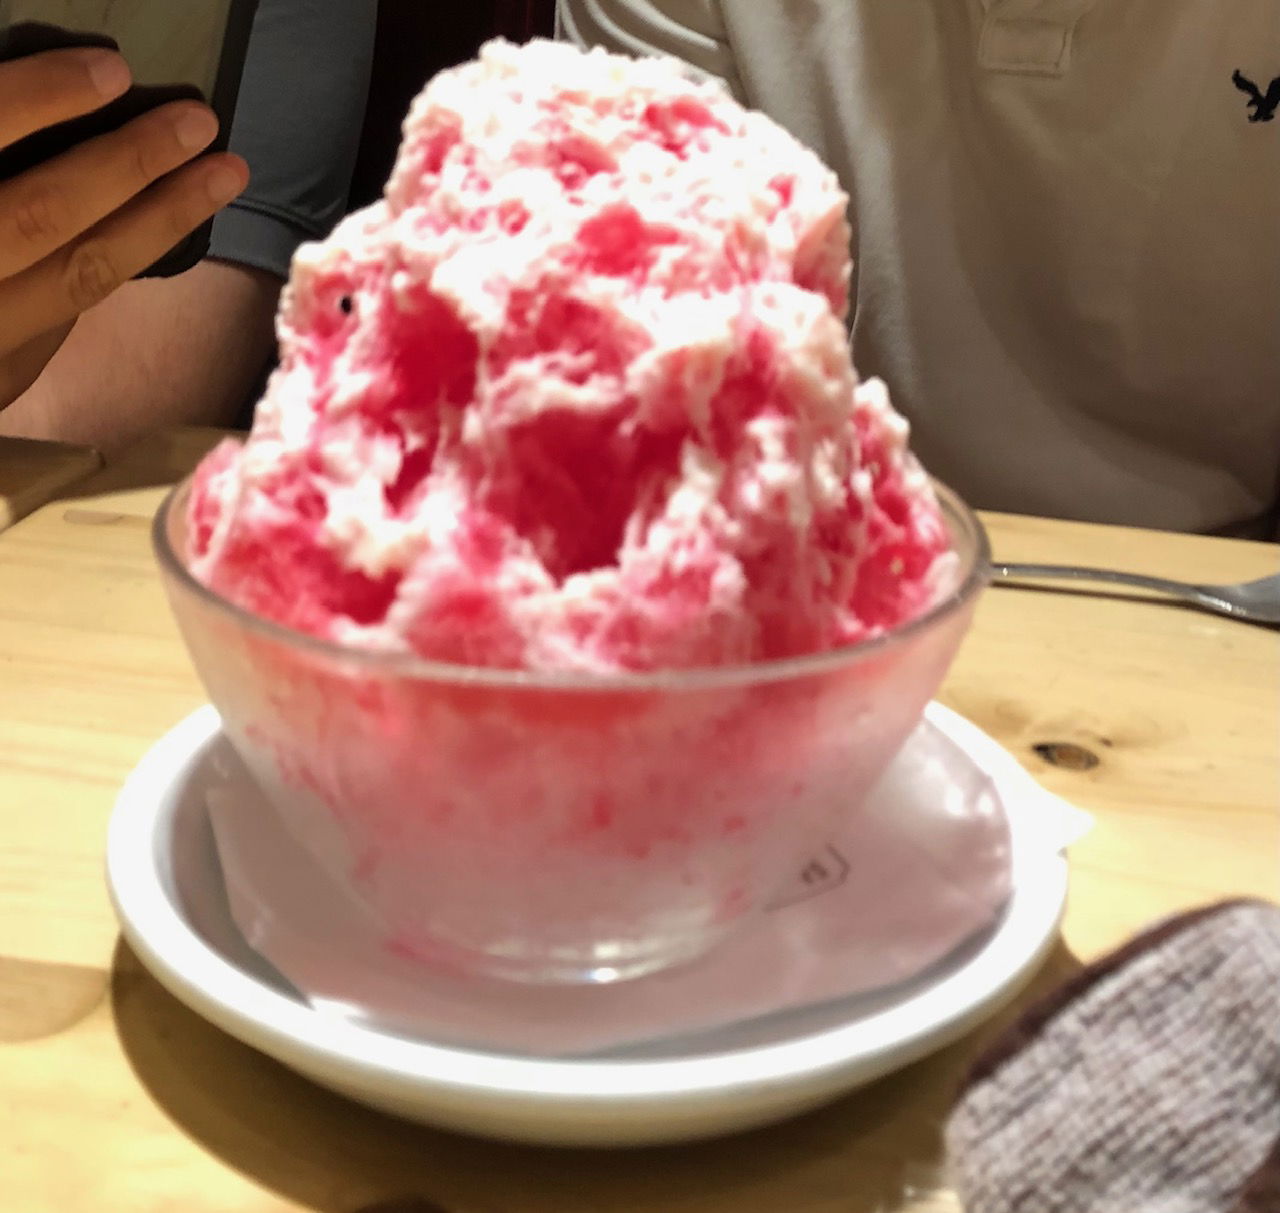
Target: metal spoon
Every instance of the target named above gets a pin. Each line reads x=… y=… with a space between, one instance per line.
x=1251 y=601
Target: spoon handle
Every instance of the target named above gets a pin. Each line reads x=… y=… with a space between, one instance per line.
x=1067 y=572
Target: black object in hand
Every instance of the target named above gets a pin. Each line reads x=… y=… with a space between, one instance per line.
x=32 y=38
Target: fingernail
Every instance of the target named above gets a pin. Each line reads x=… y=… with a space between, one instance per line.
x=223 y=183
x=109 y=72
x=195 y=128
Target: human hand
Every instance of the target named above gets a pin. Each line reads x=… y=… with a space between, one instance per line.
x=76 y=227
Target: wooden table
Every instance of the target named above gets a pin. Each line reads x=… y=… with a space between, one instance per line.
x=117 y=1097
x=32 y=473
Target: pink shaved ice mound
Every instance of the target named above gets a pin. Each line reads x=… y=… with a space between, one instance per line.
x=576 y=395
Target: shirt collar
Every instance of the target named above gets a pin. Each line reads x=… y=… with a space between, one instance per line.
x=1029 y=36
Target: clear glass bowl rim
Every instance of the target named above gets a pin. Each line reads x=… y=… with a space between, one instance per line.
x=974 y=575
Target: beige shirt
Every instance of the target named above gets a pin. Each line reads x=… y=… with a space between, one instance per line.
x=1066 y=229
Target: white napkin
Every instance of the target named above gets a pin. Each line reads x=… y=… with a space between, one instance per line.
x=924 y=868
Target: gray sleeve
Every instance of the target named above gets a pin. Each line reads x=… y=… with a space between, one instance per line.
x=298 y=121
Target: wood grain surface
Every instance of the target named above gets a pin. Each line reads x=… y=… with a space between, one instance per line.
x=1163 y=722
x=32 y=473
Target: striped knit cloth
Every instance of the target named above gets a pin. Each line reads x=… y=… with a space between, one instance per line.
x=1149 y=1083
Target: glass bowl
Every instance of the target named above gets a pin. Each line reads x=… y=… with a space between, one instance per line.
x=560 y=828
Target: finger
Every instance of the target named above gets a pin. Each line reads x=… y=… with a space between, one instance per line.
x=82 y=274
x=47 y=207
x=45 y=89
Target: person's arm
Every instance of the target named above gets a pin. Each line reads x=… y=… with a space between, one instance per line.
x=76 y=226
x=191 y=349
x=159 y=352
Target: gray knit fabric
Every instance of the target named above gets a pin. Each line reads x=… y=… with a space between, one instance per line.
x=1153 y=1088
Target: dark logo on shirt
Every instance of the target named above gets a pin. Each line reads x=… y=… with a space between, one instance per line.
x=1263 y=106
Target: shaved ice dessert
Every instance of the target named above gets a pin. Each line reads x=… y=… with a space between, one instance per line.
x=576 y=395
x=570 y=583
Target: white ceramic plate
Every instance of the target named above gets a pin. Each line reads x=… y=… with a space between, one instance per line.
x=167 y=887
